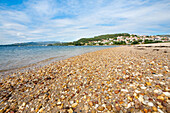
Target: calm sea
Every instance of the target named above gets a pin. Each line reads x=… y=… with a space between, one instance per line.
x=13 y=57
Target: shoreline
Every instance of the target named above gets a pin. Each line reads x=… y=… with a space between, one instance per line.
x=30 y=66
x=119 y=79
x=39 y=64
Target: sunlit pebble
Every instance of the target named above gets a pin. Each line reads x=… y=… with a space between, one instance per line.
x=71 y=102
x=137 y=91
x=141 y=98
x=96 y=105
x=32 y=109
x=100 y=108
x=74 y=105
x=86 y=107
x=124 y=90
x=167 y=94
x=150 y=104
x=143 y=87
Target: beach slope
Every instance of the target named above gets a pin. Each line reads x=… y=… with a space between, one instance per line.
x=121 y=79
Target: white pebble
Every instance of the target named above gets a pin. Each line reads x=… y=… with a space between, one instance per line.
x=150 y=104
x=129 y=105
x=140 y=98
x=143 y=87
x=32 y=109
x=131 y=85
x=58 y=103
x=156 y=91
x=162 y=83
x=159 y=75
x=96 y=105
x=167 y=94
x=160 y=111
x=125 y=90
x=137 y=91
x=71 y=102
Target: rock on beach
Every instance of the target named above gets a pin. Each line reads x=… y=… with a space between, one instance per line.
x=121 y=79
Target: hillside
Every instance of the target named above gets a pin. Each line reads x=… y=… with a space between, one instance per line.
x=164 y=35
x=101 y=37
x=34 y=43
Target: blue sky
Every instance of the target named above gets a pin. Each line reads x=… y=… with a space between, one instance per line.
x=69 y=20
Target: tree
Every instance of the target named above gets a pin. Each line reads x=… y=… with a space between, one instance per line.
x=140 y=40
x=135 y=42
x=101 y=44
x=50 y=45
x=115 y=38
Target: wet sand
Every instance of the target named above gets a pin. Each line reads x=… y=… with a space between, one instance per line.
x=122 y=79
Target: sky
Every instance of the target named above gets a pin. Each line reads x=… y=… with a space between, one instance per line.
x=70 y=20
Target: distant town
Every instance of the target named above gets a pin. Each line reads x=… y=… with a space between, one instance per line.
x=130 y=40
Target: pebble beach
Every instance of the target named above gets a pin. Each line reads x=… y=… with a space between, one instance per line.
x=114 y=80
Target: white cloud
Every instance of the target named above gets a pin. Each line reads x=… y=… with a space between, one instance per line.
x=13 y=26
x=13 y=16
x=69 y=20
x=42 y=8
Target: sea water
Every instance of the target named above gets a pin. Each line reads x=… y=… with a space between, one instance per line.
x=13 y=57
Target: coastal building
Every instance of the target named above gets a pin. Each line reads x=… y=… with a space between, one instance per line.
x=129 y=40
x=104 y=41
x=111 y=43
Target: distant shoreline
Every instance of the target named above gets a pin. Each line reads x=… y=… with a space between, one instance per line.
x=84 y=45
x=106 y=39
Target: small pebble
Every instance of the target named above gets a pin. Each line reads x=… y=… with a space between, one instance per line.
x=150 y=104
x=109 y=107
x=100 y=108
x=74 y=105
x=154 y=109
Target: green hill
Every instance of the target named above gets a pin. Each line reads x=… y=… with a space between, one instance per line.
x=101 y=37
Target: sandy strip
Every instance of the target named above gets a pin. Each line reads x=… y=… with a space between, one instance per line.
x=122 y=79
